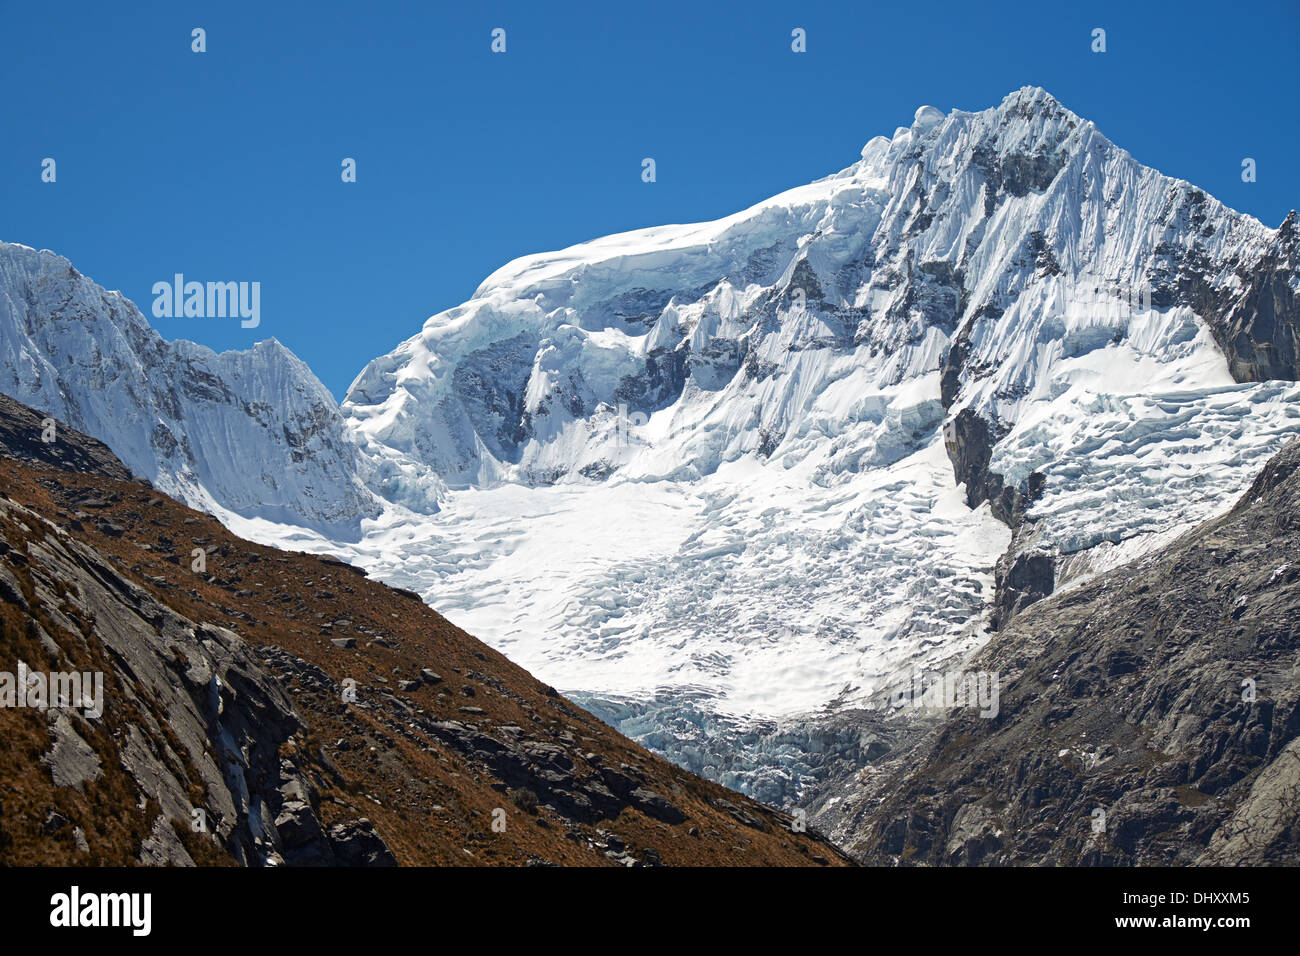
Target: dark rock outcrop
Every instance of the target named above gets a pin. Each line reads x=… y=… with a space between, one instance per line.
x=357 y=844
x=1023 y=574
x=29 y=435
x=1256 y=320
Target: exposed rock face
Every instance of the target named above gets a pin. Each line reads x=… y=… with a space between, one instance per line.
x=1256 y=320
x=193 y=712
x=1024 y=574
x=357 y=844
x=1149 y=717
x=1022 y=577
x=191 y=716
x=969 y=440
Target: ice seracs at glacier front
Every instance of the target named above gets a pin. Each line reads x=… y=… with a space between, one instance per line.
x=697 y=477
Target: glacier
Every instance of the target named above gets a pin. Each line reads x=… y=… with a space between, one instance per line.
x=699 y=475
x=728 y=483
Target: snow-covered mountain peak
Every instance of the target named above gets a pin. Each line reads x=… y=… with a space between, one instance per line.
x=771 y=465
x=811 y=411
x=253 y=432
x=929 y=232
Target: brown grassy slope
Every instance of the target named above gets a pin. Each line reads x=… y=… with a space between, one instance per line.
x=432 y=803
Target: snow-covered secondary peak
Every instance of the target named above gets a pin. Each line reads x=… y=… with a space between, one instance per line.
x=250 y=432
x=705 y=471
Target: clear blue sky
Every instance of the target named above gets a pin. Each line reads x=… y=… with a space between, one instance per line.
x=225 y=165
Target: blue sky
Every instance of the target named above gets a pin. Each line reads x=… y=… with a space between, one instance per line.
x=225 y=165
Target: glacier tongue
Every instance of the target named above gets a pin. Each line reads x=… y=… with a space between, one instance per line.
x=756 y=587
